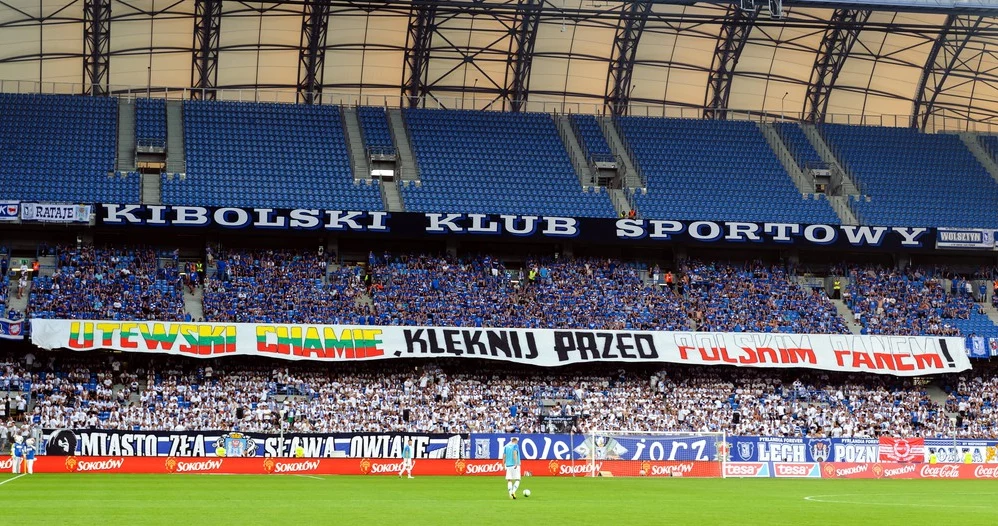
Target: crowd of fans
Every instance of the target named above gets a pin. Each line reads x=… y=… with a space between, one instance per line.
x=120 y=283
x=755 y=297
x=481 y=291
x=283 y=286
x=136 y=392
x=910 y=302
x=306 y=286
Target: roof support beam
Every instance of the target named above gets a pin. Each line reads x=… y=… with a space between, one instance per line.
x=518 y=64
x=204 y=61
x=312 y=54
x=730 y=43
x=422 y=23
x=943 y=58
x=842 y=33
x=96 y=46
x=631 y=24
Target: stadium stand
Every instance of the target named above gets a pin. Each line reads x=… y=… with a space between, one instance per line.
x=120 y=283
x=481 y=291
x=715 y=170
x=267 y=155
x=374 y=126
x=753 y=297
x=899 y=167
x=136 y=392
x=59 y=148
x=495 y=163
x=282 y=286
x=591 y=137
x=150 y=123
x=913 y=302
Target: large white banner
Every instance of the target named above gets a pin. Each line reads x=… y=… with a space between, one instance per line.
x=895 y=355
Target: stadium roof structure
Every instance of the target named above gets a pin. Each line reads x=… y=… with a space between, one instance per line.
x=931 y=64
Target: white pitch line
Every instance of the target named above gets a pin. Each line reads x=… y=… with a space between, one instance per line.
x=825 y=499
x=13 y=478
x=311 y=477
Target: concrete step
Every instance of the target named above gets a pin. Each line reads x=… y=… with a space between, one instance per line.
x=848 y=315
x=355 y=143
x=804 y=184
x=175 y=156
x=13 y=302
x=408 y=169
x=193 y=302
x=936 y=394
x=151 y=189
x=126 y=135
x=620 y=201
x=586 y=175
x=982 y=156
x=840 y=204
x=390 y=196
x=633 y=176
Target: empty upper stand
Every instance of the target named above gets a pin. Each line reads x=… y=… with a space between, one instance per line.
x=495 y=163
x=150 y=123
x=267 y=155
x=61 y=148
x=716 y=170
x=591 y=137
x=914 y=178
x=374 y=126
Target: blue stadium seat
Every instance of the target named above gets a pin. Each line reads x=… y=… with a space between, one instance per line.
x=594 y=144
x=267 y=155
x=495 y=163
x=150 y=123
x=716 y=170
x=914 y=178
x=61 y=148
x=374 y=127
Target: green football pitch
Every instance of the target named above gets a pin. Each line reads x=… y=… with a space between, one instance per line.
x=189 y=500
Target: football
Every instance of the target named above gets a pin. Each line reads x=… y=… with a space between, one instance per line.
x=526 y=493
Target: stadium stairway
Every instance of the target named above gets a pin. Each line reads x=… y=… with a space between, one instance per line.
x=803 y=183
x=18 y=304
x=390 y=195
x=848 y=316
x=938 y=395
x=408 y=171
x=355 y=142
x=634 y=178
x=583 y=170
x=840 y=306
x=193 y=302
x=819 y=144
x=970 y=140
x=175 y=153
x=152 y=189
x=126 y=135
x=621 y=204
